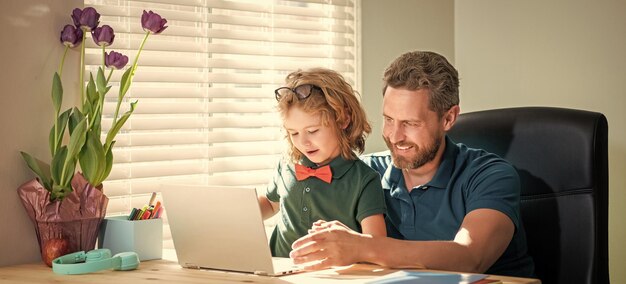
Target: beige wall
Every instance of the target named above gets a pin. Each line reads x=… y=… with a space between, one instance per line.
x=390 y=28
x=552 y=53
x=30 y=53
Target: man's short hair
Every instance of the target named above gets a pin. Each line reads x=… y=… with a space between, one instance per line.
x=425 y=70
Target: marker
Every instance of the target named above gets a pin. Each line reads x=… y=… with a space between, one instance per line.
x=140 y=214
x=155 y=210
x=132 y=214
x=158 y=213
x=145 y=215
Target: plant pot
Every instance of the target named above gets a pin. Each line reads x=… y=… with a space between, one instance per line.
x=75 y=220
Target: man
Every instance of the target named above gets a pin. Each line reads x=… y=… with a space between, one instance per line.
x=449 y=207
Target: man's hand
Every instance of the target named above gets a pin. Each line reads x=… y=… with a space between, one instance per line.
x=329 y=244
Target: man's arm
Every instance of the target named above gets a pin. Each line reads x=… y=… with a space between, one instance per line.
x=482 y=238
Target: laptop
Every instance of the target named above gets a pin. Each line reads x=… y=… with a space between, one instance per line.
x=220 y=228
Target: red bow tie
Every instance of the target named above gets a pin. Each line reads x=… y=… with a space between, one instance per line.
x=322 y=173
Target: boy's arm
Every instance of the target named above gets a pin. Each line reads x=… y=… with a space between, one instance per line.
x=374 y=225
x=268 y=207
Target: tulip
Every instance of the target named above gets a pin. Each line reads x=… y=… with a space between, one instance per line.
x=152 y=22
x=103 y=36
x=115 y=60
x=71 y=36
x=86 y=19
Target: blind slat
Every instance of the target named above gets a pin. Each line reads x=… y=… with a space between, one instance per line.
x=192 y=152
x=182 y=137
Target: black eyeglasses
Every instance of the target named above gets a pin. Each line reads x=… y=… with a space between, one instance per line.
x=302 y=91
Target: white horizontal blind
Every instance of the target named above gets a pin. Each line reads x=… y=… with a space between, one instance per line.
x=206 y=111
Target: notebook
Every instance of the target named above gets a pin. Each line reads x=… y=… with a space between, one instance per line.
x=220 y=228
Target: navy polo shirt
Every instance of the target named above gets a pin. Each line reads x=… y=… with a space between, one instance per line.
x=467 y=179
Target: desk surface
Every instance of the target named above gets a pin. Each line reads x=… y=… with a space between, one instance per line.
x=168 y=271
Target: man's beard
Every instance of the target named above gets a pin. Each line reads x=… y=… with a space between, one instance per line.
x=420 y=158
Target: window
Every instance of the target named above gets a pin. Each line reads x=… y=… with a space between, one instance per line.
x=205 y=87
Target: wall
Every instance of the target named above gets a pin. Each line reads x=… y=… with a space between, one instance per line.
x=551 y=53
x=30 y=53
x=390 y=28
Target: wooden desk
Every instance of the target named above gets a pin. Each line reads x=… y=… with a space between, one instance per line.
x=168 y=271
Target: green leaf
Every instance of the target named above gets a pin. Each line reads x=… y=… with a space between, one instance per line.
x=97 y=124
x=108 y=165
x=68 y=173
x=87 y=158
x=41 y=169
x=56 y=167
x=96 y=121
x=61 y=124
x=123 y=85
x=87 y=108
x=92 y=157
x=92 y=98
x=77 y=140
x=75 y=118
x=57 y=92
x=118 y=125
x=101 y=82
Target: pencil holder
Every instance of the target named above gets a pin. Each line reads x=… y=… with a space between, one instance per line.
x=145 y=237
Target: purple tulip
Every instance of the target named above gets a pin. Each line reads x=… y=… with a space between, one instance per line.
x=86 y=19
x=103 y=36
x=71 y=36
x=153 y=22
x=115 y=60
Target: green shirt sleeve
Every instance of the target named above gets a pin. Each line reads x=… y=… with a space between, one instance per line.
x=372 y=200
x=271 y=192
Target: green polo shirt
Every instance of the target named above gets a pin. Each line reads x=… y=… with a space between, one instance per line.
x=354 y=193
x=467 y=179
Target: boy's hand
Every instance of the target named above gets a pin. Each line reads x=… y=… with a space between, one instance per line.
x=321 y=225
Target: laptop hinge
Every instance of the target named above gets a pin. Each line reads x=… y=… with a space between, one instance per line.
x=262 y=273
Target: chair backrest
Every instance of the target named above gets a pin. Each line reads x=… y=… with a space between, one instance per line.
x=562 y=159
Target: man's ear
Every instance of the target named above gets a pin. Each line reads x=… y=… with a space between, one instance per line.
x=449 y=118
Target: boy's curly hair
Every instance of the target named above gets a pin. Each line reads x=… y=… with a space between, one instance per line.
x=338 y=105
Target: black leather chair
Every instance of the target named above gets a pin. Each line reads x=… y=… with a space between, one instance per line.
x=561 y=156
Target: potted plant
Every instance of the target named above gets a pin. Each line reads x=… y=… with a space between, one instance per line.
x=65 y=201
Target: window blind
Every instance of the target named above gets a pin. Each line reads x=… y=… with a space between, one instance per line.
x=206 y=108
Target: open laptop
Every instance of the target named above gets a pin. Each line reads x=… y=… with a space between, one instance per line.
x=220 y=228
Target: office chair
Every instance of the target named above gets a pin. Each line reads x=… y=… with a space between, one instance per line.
x=562 y=159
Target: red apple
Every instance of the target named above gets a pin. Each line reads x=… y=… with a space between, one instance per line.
x=53 y=248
